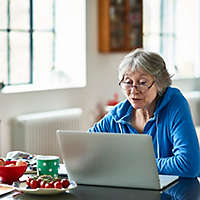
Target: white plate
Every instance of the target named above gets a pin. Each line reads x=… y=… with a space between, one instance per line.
x=44 y=191
x=4 y=188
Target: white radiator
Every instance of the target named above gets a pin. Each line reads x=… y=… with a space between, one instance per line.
x=36 y=133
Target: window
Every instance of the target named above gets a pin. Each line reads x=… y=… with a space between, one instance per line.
x=171 y=28
x=42 y=42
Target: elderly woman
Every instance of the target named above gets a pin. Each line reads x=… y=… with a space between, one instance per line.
x=153 y=107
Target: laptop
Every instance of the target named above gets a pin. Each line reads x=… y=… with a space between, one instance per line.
x=110 y=159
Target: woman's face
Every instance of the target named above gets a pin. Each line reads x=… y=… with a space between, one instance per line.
x=144 y=92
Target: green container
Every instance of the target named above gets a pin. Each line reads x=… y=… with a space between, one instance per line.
x=47 y=165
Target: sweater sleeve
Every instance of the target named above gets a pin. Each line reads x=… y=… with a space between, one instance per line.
x=102 y=126
x=185 y=161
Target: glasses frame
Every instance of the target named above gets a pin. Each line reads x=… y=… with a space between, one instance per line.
x=136 y=86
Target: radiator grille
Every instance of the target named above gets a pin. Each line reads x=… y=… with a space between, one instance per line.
x=36 y=133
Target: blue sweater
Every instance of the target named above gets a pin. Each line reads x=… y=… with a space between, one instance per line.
x=174 y=137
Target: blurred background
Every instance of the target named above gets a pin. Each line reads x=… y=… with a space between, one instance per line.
x=60 y=56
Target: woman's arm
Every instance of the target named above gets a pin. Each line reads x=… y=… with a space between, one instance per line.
x=185 y=161
x=103 y=125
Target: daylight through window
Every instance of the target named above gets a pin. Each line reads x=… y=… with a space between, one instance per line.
x=172 y=29
x=42 y=42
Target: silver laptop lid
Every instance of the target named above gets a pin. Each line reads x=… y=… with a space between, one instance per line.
x=109 y=159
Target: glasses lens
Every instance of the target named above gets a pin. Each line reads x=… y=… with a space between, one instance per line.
x=142 y=88
x=127 y=86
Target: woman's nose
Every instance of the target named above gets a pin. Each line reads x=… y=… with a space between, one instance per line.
x=134 y=89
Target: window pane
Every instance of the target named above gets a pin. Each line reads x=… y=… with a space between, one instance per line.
x=168 y=14
x=187 y=40
x=152 y=42
x=179 y=31
x=151 y=16
x=19 y=58
x=68 y=39
x=3 y=14
x=18 y=55
x=43 y=53
x=19 y=14
x=43 y=14
x=168 y=52
x=3 y=57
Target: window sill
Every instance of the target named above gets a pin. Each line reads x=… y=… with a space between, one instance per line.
x=35 y=88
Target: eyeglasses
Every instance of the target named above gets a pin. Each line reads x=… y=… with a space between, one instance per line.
x=143 y=87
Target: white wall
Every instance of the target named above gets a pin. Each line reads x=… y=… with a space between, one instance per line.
x=101 y=84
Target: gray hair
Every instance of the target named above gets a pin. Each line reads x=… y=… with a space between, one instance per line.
x=150 y=62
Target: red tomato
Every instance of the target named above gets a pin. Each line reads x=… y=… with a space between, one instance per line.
x=28 y=181
x=58 y=185
x=49 y=185
x=42 y=184
x=65 y=183
x=52 y=182
x=34 y=184
x=39 y=180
